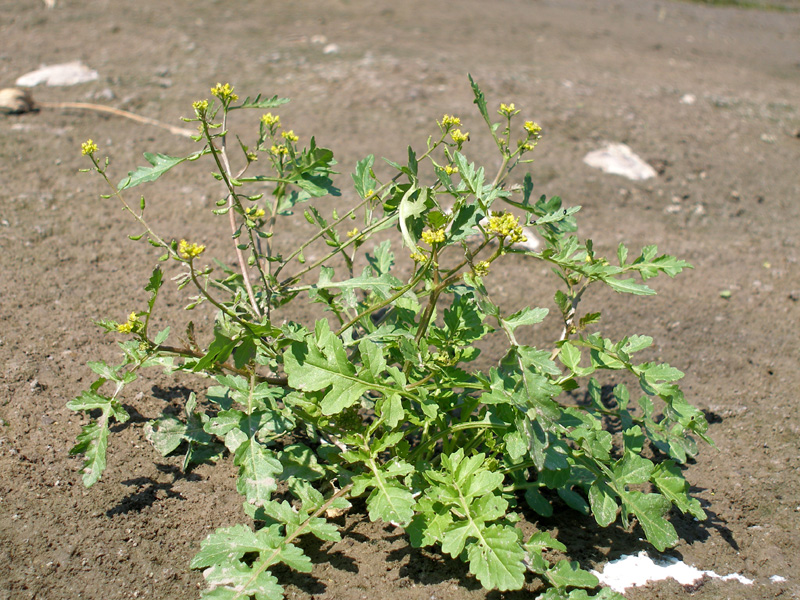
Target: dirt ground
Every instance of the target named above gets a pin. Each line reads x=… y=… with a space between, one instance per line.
x=374 y=79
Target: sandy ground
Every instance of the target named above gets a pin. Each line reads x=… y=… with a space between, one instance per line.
x=727 y=198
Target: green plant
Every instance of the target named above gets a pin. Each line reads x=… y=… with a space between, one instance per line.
x=382 y=398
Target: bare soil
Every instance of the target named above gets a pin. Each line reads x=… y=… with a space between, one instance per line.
x=727 y=198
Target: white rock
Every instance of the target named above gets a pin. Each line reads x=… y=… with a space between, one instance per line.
x=777 y=579
x=638 y=570
x=619 y=159
x=688 y=99
x=64 y=74
x=331 y=49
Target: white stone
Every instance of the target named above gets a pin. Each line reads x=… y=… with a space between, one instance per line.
x=639 y=570
x=619 y=159
x=331 y=49
x=64 y=74
x=777 y=579
x=688 y=99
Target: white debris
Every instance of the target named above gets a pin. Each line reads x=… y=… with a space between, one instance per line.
x=64 y=74
x=777 y=579
x=688 y=99
x=639 y=570
x=619 y=159
x=331 y=49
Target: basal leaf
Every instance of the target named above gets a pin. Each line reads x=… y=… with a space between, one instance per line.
x=496 y=559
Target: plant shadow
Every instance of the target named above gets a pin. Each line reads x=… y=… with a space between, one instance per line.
x=149 y=491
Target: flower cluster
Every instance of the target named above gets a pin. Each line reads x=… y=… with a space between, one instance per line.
x=482 y=268
x=88 y=147
x=290 y=136
x=131 y=325
x=433 y=237
x=224 y=93
x=533 y=129
x=508 y=110
x=449 y=121
x=507 y=226
x=200 y=107
x=450 y=169
x=418 y=257
x=190 y=251
x=353 y=232
x=459 y=137
x=279 y=149
x=271 y=120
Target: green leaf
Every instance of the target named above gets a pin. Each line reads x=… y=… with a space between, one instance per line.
x=236 y=581
x=390 y=502
x=321 y=362
x=92 y=443
x=603 y=503
x=569 y=574
x=165 y=434
x=299 y=461
x=259 y=102
x=526 y=316
x=670 y=482
x=258 y=472
x=160 y=164
x=480 y=100
x=633 y=469
x=497 y=558
x=629 y=286
x=362 y=178
x=538 y=502
x=651 y=511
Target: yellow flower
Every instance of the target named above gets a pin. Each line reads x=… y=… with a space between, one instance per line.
x=527 y=146
x=88 y=147
x=279 y=149
x=508 y=110
x=289 y=135
x=224 y=93
x=433 y=237
x=353 y=233
x=132 y=324
x=458 y=137
x=200 y=107
x=482 y=268
x=449 y=121
x=418 y=257
x=254 y=212
x=271 y=120
x=533 y=129
x=506 y=225
x=450 y=169
x=190 y=251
